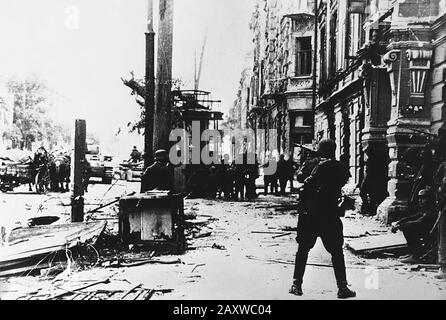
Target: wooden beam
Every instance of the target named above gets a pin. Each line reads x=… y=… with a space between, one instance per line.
x=77 y=200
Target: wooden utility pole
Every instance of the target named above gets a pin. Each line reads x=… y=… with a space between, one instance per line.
x=77 y=200
x=315 y=54
x=149 y=101
x=162 y=119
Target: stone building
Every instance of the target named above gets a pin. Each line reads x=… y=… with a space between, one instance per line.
x=380 y=85
x=280 y=99
x=381 y=75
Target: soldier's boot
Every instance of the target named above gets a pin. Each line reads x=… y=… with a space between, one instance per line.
x=441 y=274
x=411 y=259
x=344 y=292
x=296 y=289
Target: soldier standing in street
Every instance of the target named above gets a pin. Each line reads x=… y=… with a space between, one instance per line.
x=323 y=218
x=282 y=173
x=291 y=166
x=270 y=178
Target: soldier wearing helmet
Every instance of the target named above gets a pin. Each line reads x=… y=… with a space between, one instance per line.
x=159 y=175
x=417 y=227
x=323 y=218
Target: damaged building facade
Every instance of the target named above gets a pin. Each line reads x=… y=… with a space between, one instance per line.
x=381 y=73
x=280 y=88
x=380 y=76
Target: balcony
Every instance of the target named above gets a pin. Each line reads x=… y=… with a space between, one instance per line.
x=288 y=85
x=297 y=84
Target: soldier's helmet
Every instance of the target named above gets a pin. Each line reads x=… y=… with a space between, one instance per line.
x=423 y=193
x=161 y=155
x=326 y=148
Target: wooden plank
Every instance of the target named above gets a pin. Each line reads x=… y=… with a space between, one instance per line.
x=24 y=256
x=149 y=294
x=141 y=294
x=89 y=296
x=79 y=296
x=130 y=290
x=377 y=242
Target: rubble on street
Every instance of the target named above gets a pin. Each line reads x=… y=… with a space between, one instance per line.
x=227 y=243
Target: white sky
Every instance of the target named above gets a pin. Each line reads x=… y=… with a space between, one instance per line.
x=83 y=62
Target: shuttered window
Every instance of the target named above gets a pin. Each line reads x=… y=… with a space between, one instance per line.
x=303 y=56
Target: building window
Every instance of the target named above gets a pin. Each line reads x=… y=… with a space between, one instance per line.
x=303 y=120
x=353 y=34
x=333 y=48
x=323 y=54
x=303 y=56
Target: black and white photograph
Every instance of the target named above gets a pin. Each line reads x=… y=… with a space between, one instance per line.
x=242 y=151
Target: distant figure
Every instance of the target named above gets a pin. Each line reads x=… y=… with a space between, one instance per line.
x=282 y=173
x=251 y=175
x=40 y=157
x=213 y=182
x=270 y=178
x=227 y=178
x=239 y=181
x=159 y=175
x=291 y=169
x=135 y=156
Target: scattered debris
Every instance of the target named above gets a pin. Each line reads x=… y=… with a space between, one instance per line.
x=203 y=235
x=219 y=247
x=131 y=289
x=378 y=244
x=268 y=232
x=118 y=263
x=42 y=221
x=33 y=249
x=60 y=295
x=282 y=235
x=198 y=265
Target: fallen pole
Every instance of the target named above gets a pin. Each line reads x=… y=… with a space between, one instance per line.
x=60 y=295
x=109 y=204
x=130 y=290
x=282 y=235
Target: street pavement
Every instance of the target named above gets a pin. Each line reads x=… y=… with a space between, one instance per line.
x=242 y=258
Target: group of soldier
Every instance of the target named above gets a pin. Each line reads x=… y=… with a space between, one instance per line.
x=284 y=173
x=236 y=180
x=227 y=180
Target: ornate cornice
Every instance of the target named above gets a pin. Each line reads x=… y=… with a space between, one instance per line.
x=419 y=54
x=391 y=56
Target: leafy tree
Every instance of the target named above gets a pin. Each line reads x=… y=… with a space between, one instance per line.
x=139 y=91
x=31 y=122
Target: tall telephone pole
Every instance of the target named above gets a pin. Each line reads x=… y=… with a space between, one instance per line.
x=315 y=54
x=162 y=119
x=149 y=102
